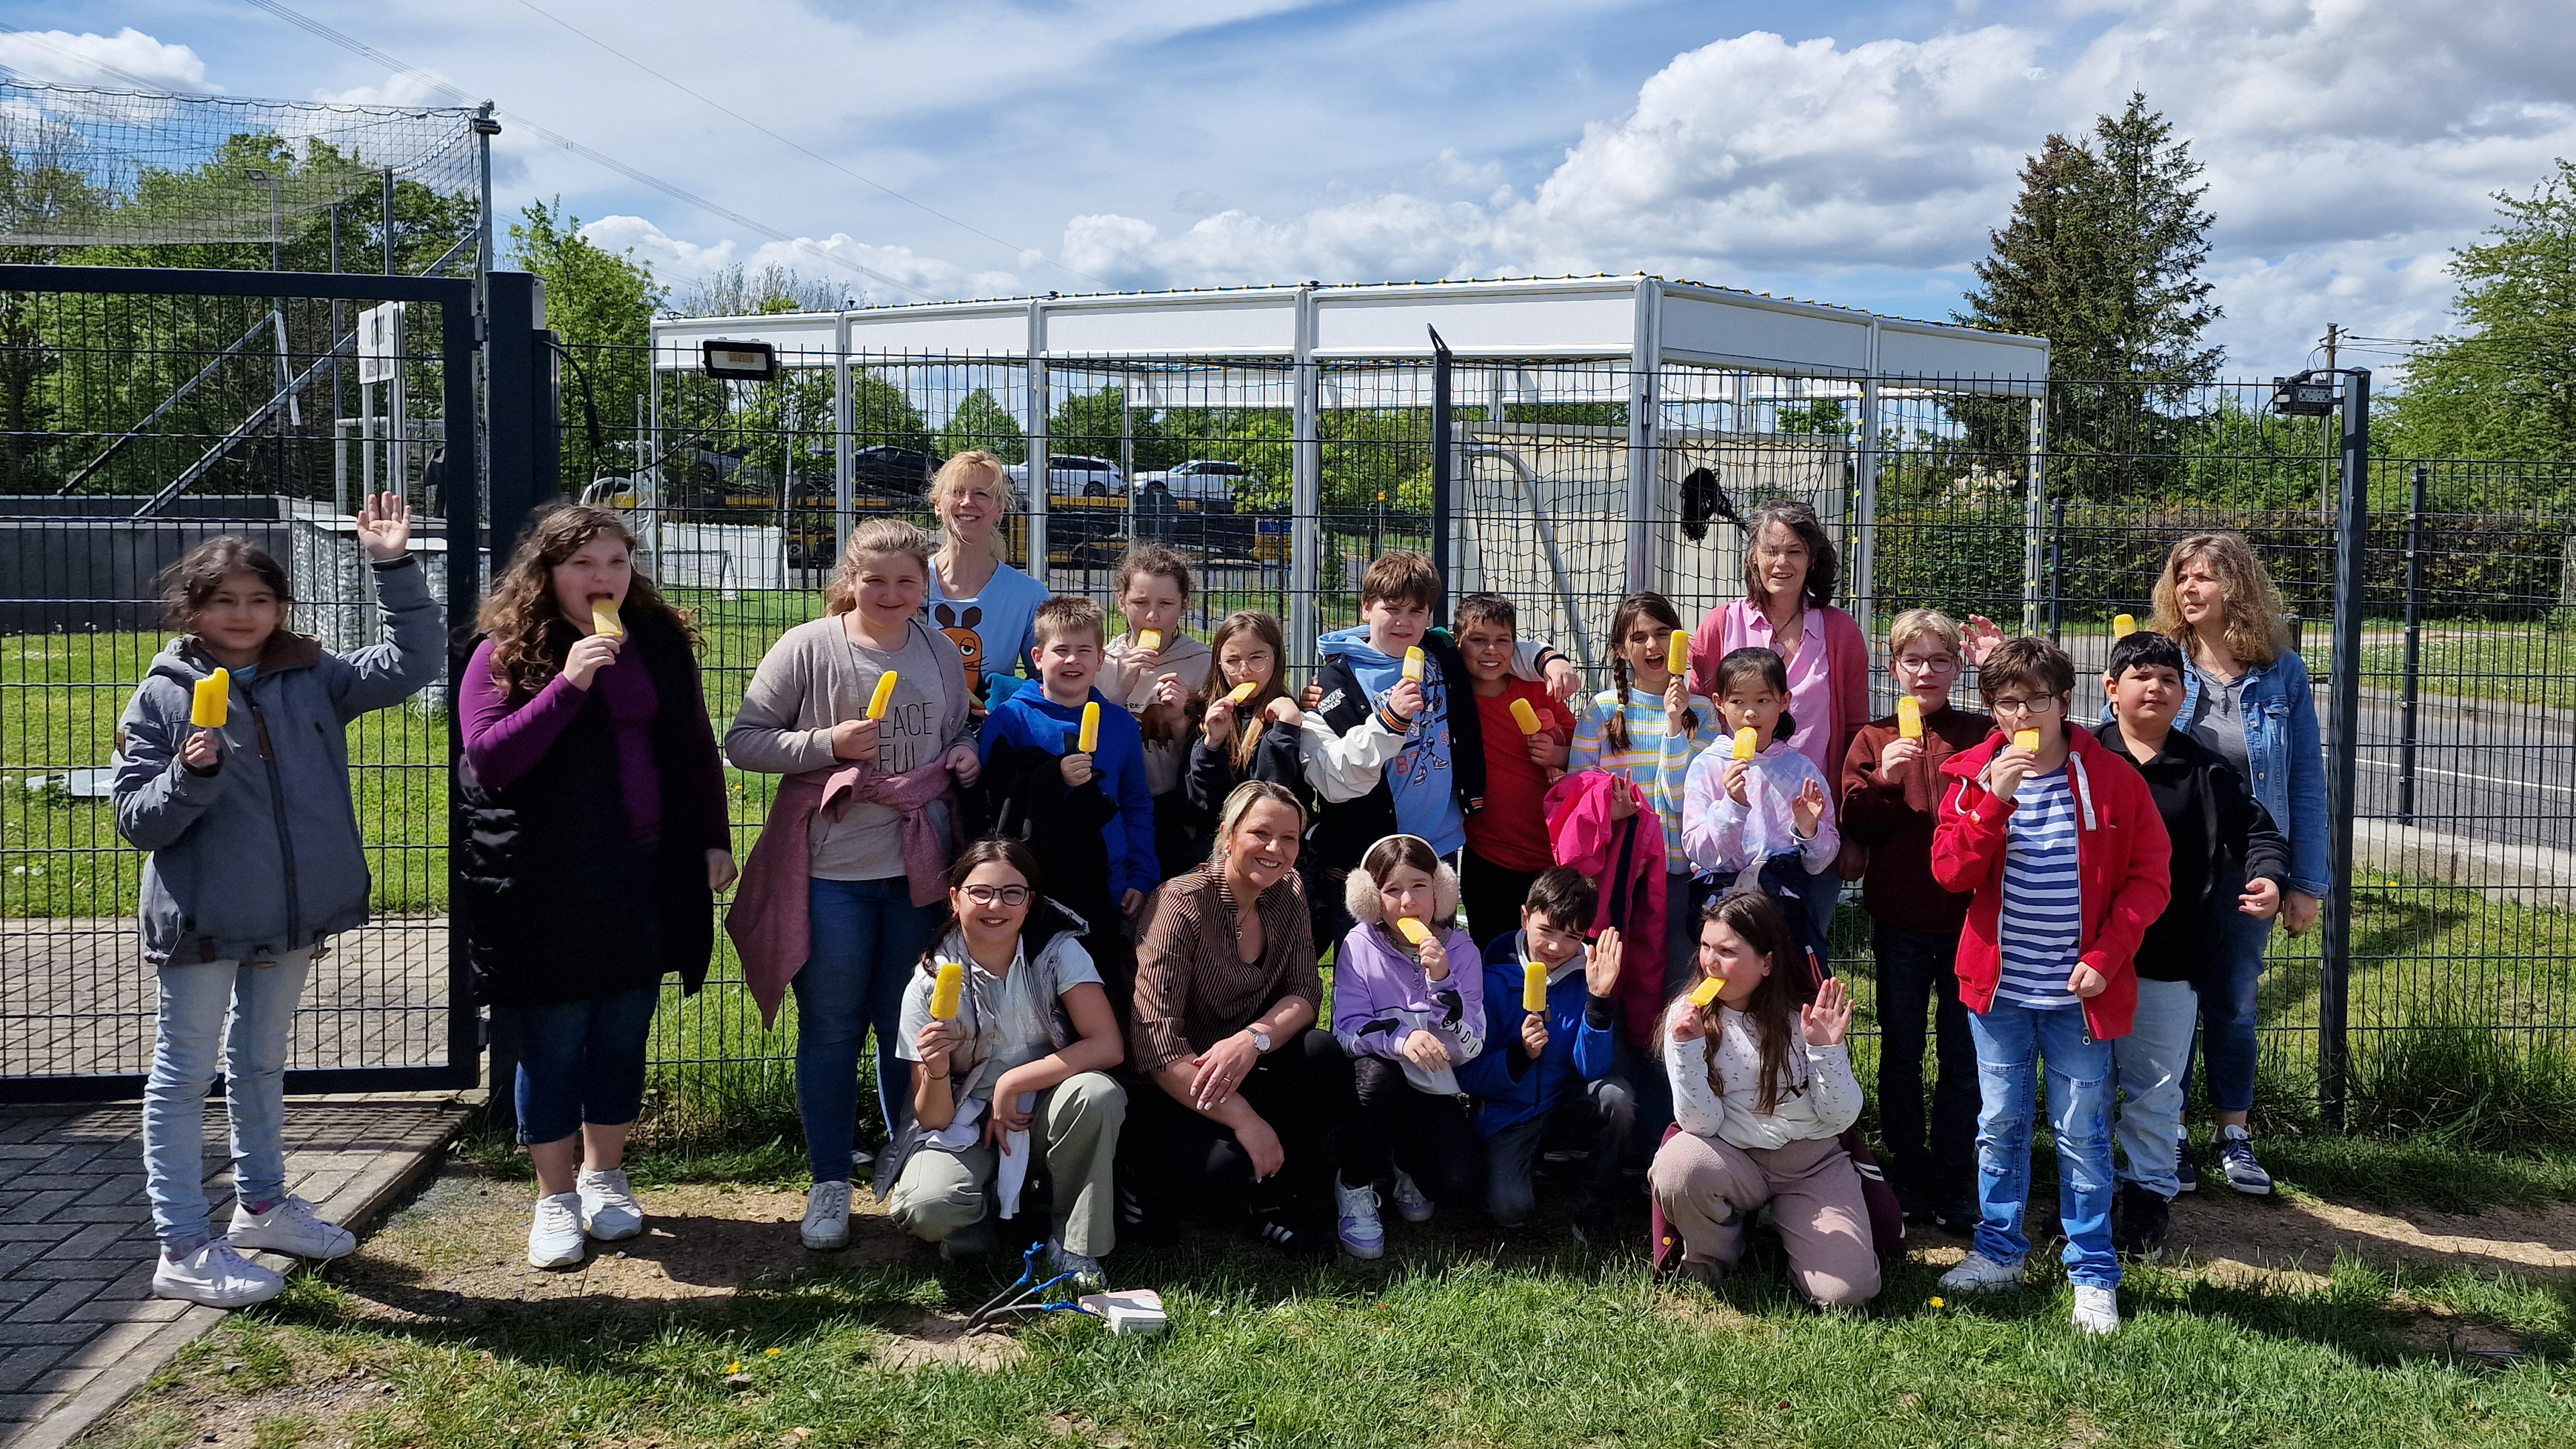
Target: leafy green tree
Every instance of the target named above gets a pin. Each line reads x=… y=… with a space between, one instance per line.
x=601 y=303
x=2505 y=386
x=982 y=422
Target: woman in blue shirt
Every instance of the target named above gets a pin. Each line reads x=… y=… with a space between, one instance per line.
x=980 y=602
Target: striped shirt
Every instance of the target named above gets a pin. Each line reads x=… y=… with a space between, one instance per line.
x=2042 y=929
x=1655 y=763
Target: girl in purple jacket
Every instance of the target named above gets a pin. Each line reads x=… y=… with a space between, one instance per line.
x=1408 y=1014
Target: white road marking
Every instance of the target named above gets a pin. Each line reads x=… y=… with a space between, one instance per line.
x=2391 y=767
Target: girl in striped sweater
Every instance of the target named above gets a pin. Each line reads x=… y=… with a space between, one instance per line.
x=1649 y=727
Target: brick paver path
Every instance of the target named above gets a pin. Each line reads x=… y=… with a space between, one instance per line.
x=76 y=1242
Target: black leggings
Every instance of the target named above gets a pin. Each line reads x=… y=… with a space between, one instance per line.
x=1433 y=1138
x=1173 y=1163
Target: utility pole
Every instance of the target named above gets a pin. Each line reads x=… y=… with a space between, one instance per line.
x=2333 y=440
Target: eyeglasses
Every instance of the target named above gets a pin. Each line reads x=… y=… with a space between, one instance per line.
x=1935 y=664
x=2036 y=704
x=984 y=895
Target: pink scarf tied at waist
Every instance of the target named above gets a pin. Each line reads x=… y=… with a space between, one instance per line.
x=768 y=921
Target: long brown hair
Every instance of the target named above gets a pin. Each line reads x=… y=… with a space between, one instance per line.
x=984 y=852
x=1266 y=629
x=2258 y=622
x=1772 y=1010
x=1655 y=606
x=520 y=614
x=1824 y=564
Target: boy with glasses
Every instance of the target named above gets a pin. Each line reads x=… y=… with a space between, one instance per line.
x=1891 y=791
x=2058 y=839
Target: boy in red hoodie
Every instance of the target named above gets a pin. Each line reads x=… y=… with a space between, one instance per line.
x=2059 y=841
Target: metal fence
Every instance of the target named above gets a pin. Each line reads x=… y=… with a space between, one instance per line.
x=2052 y=513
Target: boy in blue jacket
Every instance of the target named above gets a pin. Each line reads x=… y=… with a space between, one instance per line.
x=1547 y=1077
x=1089 y=815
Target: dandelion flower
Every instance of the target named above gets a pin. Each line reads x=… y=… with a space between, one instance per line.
x=1937 y=1303
x=770 y=1352
x=734 y=1367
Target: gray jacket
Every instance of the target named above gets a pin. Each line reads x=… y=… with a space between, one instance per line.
x=263 y=855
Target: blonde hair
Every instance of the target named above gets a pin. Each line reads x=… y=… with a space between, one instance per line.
x=1912 y=625
x=1240 y=803
x=965 y=470
x=2257 y=630
x=869 y=539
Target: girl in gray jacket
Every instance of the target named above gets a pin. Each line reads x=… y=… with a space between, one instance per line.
x=255 y=862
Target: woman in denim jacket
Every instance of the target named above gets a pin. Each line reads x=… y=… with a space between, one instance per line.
x=2247 y=697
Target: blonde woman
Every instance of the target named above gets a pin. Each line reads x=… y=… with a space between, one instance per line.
x=844 y=888
x=2248 y=698
x=980 y=602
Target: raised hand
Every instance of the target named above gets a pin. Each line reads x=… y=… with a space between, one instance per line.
x=1980 y=638
x=1808 y=810
x=1601 y=969
x=1823 y=1021
x=384 y=526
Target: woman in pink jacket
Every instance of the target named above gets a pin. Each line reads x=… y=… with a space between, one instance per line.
x=1790 y=569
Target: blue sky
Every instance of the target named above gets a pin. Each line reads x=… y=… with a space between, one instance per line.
x=1855 y=154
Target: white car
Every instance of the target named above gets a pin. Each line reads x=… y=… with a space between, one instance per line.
x=1071 y=475
x=1208 y=480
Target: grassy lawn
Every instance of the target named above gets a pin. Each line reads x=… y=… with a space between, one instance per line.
x=717 y=1330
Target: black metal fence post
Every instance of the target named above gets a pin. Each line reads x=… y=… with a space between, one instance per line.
x=2414 y=649
x=2056 y=567
x=1440 y=461
x=2334 y=997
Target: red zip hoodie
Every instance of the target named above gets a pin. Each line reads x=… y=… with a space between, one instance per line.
x=2122 y=861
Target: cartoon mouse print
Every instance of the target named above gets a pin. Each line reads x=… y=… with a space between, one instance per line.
x=960 y=630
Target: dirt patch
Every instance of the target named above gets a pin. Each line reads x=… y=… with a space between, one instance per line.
x=940 y=1339
x=2304 y=1234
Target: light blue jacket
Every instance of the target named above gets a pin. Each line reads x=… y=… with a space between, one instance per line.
x=2286 y=757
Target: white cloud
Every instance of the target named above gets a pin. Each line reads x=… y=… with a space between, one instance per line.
x=678 y=260
x=86 y=59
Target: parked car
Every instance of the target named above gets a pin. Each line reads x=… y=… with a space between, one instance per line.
x=889 y=472
x=1202 y=480
x=1071 y=475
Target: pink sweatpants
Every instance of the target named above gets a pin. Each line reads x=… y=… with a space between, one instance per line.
x=1708 y=1189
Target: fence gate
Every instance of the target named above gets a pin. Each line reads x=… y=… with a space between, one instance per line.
x=142 y=410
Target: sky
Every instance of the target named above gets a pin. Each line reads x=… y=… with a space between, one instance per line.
x=1857 y=154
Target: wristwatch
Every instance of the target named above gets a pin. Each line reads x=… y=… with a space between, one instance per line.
x=1260 y=1039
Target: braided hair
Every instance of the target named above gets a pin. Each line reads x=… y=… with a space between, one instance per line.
x=1654 y=606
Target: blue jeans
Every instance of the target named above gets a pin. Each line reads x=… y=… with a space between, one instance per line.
x=2227 y=1013
x=867 y=938
x=581 y=1062
x=2011 y=1041
x=1600 y=1116
x=2150 y=1062
x=232 y=1016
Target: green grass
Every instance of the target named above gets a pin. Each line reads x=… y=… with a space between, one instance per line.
x=1462 y=1348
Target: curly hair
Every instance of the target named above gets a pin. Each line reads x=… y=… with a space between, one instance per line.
x=1149 y=559
x=1265 y=630
x=1772 y=1010
x=521 y=616
x=2258 y=622
x=1824 y=565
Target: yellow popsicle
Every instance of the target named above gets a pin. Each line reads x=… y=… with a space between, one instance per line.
x=1414 y=931
x=1533 y=988
x=604 y=620
x=1746 y=744
x=1909 y=718
x=1413 y=663
x=1242 y=692
x=950 y=990
x=1525 y=716
x=1677 y=653
x=2025 y=739
x=1706 y=991
x=1089 y=740
x=214 y=696
x=884 y=696
x=1149 y=638
x=2123 y=625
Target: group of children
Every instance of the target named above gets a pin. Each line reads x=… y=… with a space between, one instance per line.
x=1646 y=879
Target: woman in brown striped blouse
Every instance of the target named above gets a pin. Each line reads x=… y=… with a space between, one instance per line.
x=1251 y=1096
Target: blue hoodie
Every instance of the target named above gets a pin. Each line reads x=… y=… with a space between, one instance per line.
x=1419 y=779
x=1513 y=1088
x=1029 y=718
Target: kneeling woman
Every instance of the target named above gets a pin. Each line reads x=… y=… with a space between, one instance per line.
x=1023 y=1062
x=1762 y=1090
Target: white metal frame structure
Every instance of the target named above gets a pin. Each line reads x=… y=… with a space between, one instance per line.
x=1645 y=322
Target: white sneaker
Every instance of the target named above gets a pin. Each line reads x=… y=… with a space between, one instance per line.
x=827 y=1216
x=1410 y=1204
x=1978 y=1273
x=292 y=1227
x=609 y=1211
x=555 y=1238
x=215 y=1276
x=1355 y=1208
x=2097 y=1310
x=1085 y=1270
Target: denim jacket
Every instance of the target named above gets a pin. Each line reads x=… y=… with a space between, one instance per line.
x=2285 y=756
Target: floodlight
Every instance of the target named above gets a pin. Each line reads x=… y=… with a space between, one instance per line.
x=2309 y=394
x=740 y=361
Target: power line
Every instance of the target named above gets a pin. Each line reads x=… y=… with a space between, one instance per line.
x=360 y=47
x=799 y=148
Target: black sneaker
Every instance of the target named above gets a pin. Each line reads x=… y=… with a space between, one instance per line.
x=1300 y=1243
x=2139 y=1219
x=2236 y=1156
x=2187 y=1168
x=1957 y=1216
